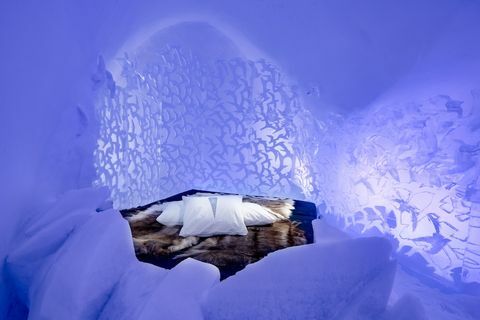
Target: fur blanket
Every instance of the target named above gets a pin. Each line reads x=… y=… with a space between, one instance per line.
x=280 y=208
x=157 y=243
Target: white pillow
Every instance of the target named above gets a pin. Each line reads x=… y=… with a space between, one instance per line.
x=229 y=215
x=206 y=216
x=255 y=214
x=172 y=214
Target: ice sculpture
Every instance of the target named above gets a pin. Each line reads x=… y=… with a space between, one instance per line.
x=231 y=126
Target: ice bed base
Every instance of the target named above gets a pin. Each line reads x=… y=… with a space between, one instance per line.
x=229 y=253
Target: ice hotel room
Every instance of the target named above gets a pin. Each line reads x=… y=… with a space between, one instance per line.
x=255 y=159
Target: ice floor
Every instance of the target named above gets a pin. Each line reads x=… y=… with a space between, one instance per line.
x=436 y=304
x=76 y=261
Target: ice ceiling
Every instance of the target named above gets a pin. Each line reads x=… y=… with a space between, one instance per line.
x=184 y=113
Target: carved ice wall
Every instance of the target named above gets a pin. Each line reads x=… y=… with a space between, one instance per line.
x=179 y=123
x=410 y=171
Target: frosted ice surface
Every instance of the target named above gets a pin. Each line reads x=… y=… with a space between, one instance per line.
x=252 y=114
x=324 y=233
x=371 y=300
x=72 y=262
x=412 y=298
x=133 y=291
x=86 y=270
x=36 y=253
x=90 y=199
x=414 y=159
x=45 y=232
x=407 y=307
x=178 y=296
x=306 y=282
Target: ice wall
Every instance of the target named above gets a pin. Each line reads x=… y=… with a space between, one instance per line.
x=181 y=121
x=413 y=170
x=343 y=54
x=50 y=51
x=409 y=170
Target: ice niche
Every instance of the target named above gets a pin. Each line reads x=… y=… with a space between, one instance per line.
x=187 y=109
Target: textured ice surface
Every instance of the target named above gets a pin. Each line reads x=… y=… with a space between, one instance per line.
x=42 y=234
x=133 y=291
x=76 y=261
x=81 y=265
x=308 y=282
x=411 y=295
x=7 y=230
x=407 y=173
x=183 y=122
x=178 y=296
x=85 y=270
x=409 y=170
x=148 y=292
x=36 y=253
x=324 y=233
x=407 y=308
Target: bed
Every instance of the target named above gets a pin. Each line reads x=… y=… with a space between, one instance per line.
x=154 y=241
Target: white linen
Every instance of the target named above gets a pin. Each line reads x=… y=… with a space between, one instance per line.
x=172 y=214
x=213 y=215
x=255 y=214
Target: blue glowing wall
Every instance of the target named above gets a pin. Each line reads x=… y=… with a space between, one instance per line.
x=410 y=171
x=180 y=121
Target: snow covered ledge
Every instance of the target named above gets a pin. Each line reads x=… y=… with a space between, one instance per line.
x=77 y=259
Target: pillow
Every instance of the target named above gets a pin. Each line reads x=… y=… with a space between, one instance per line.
x=172 y=214
x=206 y=216
x=198 y=215
x=229 y=215
x=255 y=214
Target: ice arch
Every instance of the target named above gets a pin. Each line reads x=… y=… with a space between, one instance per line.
x=185 y=113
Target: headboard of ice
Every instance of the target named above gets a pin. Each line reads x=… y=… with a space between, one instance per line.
x=174 y=120
x=233 y=125
x=410 y=171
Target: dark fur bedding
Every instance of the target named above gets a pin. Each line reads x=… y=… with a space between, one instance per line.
x=163 y=246
x=154 y=239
